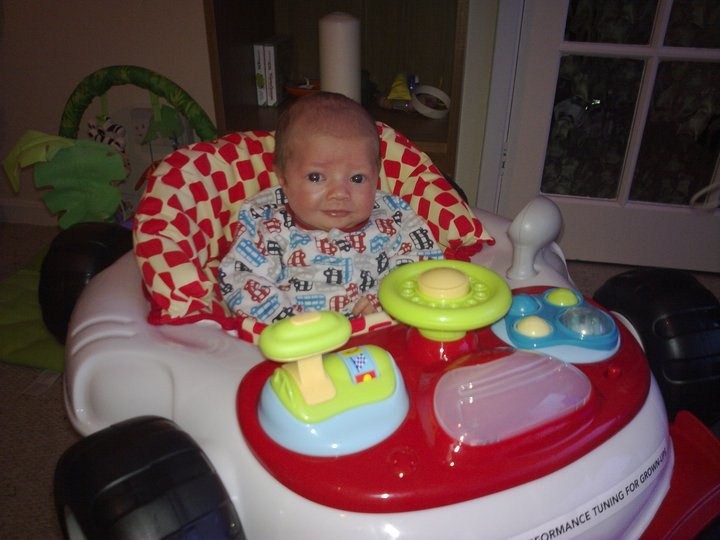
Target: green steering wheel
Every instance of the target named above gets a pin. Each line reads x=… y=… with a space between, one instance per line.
x=444 y=299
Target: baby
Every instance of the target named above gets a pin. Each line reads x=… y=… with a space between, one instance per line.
x=325 y=238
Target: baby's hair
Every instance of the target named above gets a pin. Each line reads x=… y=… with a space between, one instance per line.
x=323 y=112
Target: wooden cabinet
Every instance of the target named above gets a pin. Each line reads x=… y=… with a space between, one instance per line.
x=424 y=37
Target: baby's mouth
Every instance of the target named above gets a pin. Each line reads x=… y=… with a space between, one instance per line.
x=337 y=213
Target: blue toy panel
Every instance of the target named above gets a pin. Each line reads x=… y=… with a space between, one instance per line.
x=561 y=323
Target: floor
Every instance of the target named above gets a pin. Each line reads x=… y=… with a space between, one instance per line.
x=34 y=430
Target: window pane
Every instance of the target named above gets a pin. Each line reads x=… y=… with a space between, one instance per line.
x=694 y=23
x=610 y=21
x=682 y=134
x=592 y=115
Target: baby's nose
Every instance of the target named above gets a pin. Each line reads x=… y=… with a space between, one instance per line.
x=339 y=190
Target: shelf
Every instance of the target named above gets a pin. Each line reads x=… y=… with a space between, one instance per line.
x=419 y=36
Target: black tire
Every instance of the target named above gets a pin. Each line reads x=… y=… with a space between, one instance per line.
x=142 y=479
x=678 y=323
x=75 y=256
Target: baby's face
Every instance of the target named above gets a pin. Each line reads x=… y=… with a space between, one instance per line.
x=330 y=181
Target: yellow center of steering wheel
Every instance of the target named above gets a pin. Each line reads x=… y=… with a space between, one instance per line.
x=443 y=284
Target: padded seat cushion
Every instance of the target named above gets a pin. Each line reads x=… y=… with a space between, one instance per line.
x=187 y=217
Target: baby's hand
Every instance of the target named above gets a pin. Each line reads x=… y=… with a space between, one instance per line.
x=364 y=306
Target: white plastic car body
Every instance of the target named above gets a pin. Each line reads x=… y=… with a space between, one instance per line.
x=118 y=367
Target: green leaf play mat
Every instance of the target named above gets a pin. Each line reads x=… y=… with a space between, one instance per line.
x=24 y=340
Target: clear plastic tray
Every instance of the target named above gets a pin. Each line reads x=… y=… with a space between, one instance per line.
x=487 y=403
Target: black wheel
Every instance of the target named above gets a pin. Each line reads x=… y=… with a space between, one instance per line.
x=75 y=256
x=142 y=479
x=678 y=323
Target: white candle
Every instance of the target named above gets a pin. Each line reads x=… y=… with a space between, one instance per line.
x=339 y=42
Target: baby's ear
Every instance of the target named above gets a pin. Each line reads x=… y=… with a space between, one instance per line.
x=278 y=174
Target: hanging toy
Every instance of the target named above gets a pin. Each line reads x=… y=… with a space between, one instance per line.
x=110 y=133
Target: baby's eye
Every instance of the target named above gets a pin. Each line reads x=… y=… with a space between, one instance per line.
x=357 y=178
x=314 y=177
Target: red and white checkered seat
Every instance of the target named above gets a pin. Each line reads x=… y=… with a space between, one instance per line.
x=187 y=217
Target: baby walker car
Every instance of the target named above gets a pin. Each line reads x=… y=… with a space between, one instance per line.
x=491 y=400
